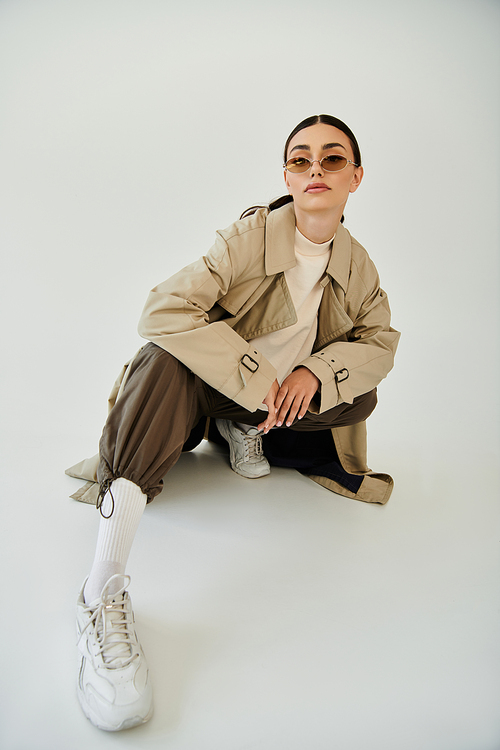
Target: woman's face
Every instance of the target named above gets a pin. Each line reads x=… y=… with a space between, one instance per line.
x=317 y=189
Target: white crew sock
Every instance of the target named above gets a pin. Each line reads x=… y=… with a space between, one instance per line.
x=116 y=535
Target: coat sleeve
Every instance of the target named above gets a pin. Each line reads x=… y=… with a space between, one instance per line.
x=357 y=362
x=175 y=317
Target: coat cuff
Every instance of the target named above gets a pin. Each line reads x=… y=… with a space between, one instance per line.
x=250 y=381
x=334 y=379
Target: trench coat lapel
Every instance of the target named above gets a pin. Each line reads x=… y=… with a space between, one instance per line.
x=279 y=242
x=340 y=259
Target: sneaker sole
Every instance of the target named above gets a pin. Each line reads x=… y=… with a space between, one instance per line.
x=126 y=724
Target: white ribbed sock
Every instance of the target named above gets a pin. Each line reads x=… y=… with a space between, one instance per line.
x=116 y=535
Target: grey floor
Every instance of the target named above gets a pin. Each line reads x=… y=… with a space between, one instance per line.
x=274 y=613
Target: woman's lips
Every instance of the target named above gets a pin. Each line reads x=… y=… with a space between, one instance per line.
x=316 y=187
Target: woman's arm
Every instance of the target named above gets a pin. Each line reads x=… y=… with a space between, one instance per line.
x=176 y=318
x=363 y=357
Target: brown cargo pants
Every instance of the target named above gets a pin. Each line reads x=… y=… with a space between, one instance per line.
x=162 y=401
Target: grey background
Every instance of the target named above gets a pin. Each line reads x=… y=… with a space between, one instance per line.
x=129 y=132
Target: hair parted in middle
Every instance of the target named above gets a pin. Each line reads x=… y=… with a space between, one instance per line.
x=307 y=123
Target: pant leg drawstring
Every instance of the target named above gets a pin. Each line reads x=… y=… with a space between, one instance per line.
x=105 y=487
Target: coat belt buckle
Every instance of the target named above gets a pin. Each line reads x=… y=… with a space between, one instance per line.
x=341 y=380
x=251 y=361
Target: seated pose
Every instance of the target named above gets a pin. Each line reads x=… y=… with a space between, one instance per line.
x=281 y=334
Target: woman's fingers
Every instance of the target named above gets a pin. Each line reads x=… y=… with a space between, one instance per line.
x=291 y=406
x=269 y=401
x=295 y=395
x=268 y=424
x=291 y=401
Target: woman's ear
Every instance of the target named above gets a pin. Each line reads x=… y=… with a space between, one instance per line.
x=285 y=177
x=356 y=179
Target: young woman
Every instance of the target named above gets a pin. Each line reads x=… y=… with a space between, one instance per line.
x=281 y=333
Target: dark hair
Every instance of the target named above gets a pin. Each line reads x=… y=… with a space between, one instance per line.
x=313 y=120
x=327 y=120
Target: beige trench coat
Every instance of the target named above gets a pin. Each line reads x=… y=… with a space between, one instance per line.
x=207 y=314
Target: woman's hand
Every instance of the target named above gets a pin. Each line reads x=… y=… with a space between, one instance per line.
x=295 y=395
x=291 y=400
x=269 y=402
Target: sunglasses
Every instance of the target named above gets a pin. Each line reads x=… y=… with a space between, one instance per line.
x=331 y=163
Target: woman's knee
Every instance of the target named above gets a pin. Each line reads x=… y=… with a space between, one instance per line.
x=368 y=402
x=153 y=357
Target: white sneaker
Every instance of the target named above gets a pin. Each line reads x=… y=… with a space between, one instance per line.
x=245 y=450
x=113 y=681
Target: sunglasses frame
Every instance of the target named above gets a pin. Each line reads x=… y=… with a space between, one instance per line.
x=320 y=162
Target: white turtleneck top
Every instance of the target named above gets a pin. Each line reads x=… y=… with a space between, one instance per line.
x=285 y=349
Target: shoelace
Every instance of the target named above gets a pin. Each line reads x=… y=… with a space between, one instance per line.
x=253 y=447
x=112 y=622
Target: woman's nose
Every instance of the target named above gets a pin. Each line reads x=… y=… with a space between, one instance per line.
x=316 y=169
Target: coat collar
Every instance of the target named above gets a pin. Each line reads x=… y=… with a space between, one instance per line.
x=280 y=241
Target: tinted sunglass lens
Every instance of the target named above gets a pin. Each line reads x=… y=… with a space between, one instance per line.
x=334 y=162
x=298 y=165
